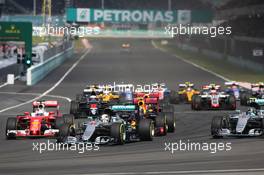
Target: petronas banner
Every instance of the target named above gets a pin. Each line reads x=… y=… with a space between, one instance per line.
x=138 y=16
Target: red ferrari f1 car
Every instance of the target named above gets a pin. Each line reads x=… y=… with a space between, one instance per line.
x=44 y=121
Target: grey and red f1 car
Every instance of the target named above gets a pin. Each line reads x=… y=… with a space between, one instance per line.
x=213 y=98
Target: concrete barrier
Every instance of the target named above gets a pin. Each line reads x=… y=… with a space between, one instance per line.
x=131 y=34
x=38 y=72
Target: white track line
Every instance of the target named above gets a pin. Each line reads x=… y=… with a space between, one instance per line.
x=189 y=62
x=185 y=172
x=5 y=84
x=53 y=87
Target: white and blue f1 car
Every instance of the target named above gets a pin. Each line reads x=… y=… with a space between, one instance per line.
x=116 y=125
x=249 y=123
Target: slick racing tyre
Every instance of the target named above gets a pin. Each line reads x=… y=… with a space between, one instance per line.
x=160 y=122
x=244 y=97
x=146 y=130
x=231 y=103
x=74 y=109
x=11 y=124
x=218 y=123
x=118 y=133
x=68 y=118
x=171 y=121
x=196 y=102
x=174 y=98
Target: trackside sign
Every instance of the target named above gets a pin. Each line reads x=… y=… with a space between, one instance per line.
x=137 y=16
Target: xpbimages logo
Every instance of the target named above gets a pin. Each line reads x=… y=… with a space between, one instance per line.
x=53 y=146
x=184 y=146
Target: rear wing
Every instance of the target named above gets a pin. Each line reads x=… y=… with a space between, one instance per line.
x=257 y=85
x=151 y=100
x=185 y=85
x=45 y=103
x=123 y=108
x=139 y=94
x=231 y=83
x=147 y=95
x=207 y=87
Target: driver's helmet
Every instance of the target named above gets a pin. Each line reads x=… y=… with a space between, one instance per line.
x=127 y=89
x=213 y=87
x=106 y=92
x=189 y=88
x=105 y=118
x=234 y=86
x=40 y=110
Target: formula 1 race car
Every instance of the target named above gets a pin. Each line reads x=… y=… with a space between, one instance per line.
x=137 y=128
x=126 y=48
x=249 y=123
x=108 y=97
x=44 y=121
x=81 y=106
x=186 y=92
x=87 y=105
x=161 y=96
x=106 y=128
x=149 y=108
x=233 y=88
x=256 y=93
x=213 y=98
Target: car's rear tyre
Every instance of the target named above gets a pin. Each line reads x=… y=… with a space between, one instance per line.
x=171 y=122
x=11 y=124
x=231 y=102
x=174 y=97
x=74 y=109
x=68 y=118
x=118 y=133
x=146 y=130
x=244 y=97
x=160 y=122
x=196 y=102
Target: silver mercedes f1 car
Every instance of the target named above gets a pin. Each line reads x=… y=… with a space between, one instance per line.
x=249 y=123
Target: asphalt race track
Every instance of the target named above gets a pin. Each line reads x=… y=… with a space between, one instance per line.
x=107 y=64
